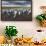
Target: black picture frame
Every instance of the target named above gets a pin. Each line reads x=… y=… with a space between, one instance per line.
x=25 y=17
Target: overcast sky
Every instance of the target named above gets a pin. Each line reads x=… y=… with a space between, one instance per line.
x=16 y=0
x=16 y=3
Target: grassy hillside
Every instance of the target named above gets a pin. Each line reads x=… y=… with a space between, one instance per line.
x=21 y=8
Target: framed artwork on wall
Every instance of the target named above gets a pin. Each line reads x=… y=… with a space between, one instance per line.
x=16 y=10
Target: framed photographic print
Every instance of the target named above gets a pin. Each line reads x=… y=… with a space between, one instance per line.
x=16 y=10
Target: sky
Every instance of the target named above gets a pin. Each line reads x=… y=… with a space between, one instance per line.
x=16 y=3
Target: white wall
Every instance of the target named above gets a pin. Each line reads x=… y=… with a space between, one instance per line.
x=26 y=28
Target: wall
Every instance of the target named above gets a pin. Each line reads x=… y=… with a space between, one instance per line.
x=26 y=28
